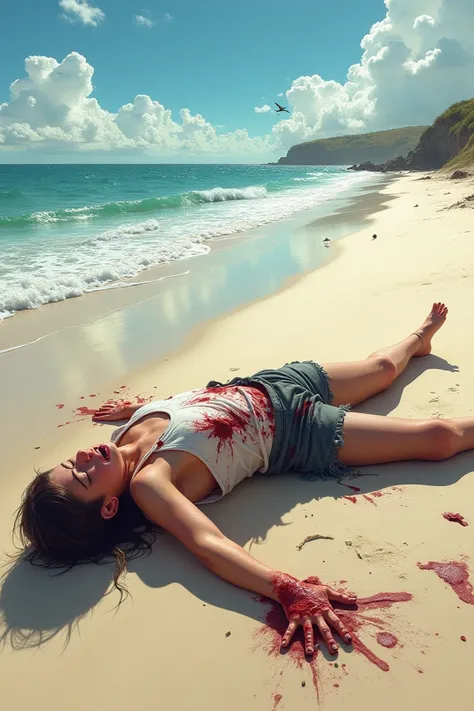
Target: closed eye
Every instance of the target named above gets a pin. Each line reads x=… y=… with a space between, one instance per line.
x=74 y=470
x=74 y=473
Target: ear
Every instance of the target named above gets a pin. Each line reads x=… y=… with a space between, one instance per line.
x=110 y=508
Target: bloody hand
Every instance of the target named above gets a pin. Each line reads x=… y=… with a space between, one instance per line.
x=111 y=411
x=308 y=603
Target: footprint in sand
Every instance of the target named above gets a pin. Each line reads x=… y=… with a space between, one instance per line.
x=376 y=552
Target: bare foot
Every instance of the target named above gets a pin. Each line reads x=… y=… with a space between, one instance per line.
x=431 y=325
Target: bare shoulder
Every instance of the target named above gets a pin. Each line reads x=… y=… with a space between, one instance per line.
x=177 y=469
x=157 y=472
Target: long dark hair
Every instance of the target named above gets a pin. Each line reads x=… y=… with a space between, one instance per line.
x=56 y=530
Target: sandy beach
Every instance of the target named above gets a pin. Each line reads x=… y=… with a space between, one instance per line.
x=186 y=639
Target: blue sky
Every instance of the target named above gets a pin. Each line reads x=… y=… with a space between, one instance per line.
x=222 y=59
x=217 y=58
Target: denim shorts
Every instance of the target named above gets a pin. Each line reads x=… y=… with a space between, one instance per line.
x=308 y=429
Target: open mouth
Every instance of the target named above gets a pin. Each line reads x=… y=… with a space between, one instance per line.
x=104 y=452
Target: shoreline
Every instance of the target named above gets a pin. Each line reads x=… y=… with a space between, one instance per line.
x=373 y=293
x=27 y=326
x=85 y=361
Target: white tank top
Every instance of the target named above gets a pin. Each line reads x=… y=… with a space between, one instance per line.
x=229 y=428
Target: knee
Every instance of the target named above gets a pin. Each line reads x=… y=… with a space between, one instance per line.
x=443 y=439
x=386 y=367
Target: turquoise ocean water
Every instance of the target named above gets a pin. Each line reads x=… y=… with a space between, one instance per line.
x=69 y=229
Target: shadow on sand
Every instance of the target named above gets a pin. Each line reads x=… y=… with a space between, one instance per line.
x=36 y=606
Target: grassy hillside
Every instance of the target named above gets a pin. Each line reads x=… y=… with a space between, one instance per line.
x=464 y=160
x=346 y=150
x=463 y=130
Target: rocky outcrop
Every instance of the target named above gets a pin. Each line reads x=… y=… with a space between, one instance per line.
x=396 y=164
x=450 y=137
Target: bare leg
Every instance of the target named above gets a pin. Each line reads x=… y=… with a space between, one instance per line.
x=355 y=382
x=372 y=439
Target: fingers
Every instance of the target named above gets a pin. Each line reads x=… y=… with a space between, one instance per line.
x=337 y=596
x=335 y=622
x=308 y=637
x=288 y=636
x=105 y=411
x=327 y=634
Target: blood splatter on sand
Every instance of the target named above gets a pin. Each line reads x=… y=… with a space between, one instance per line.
x=367 y=497
x=349 y=486
x=141 y=400
x=355 y=618
x=84 y=410
x=456 y=518
x=456 y=575
x=276 y=700
x=386 y=639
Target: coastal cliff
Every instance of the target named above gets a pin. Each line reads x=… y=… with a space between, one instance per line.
x=346 y=150
x=447 y=144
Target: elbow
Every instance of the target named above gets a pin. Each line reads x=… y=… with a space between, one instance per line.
x=208 y=548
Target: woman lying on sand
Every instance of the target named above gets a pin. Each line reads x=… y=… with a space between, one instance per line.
x=195 y=447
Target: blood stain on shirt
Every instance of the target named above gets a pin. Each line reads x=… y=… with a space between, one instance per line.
x=222 y=428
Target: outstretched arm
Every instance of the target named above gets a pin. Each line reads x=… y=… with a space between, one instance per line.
x=305 y=603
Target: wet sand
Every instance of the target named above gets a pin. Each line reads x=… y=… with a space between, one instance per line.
x=170 y=645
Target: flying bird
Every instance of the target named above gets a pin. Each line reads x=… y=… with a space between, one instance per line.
x=280 y=108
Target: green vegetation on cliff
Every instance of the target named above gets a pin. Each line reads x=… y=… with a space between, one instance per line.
x=346 y=150
x=447 y=144
x=463 y=130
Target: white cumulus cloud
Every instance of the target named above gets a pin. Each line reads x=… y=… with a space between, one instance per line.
x=416 y=62
x=143 y=21
x=168 y=17
x=81 y=11
x=52 y=108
